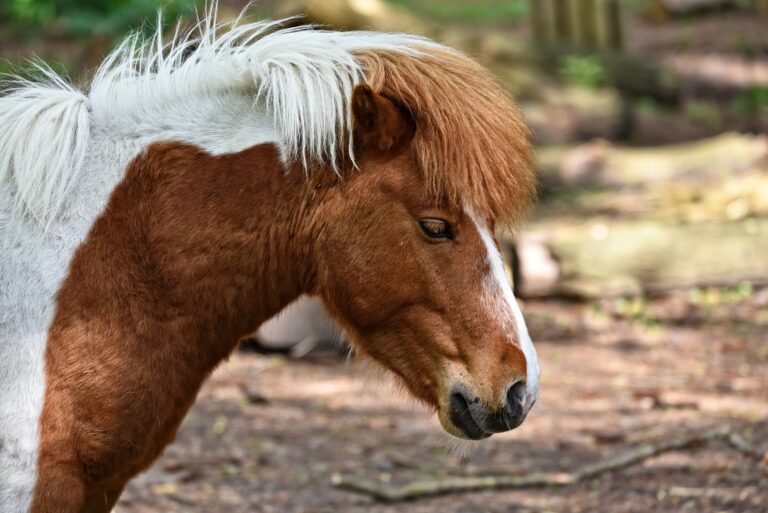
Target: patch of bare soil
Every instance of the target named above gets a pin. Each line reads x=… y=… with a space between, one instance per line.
x=268 y=433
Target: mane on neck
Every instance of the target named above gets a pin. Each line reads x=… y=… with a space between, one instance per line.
x=301 y=78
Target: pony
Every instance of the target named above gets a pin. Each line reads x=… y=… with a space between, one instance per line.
x=197 y=186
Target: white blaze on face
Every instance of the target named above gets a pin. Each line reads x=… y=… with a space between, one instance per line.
x=508 y=307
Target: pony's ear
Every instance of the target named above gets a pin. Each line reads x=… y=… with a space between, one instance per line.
x=379 y=124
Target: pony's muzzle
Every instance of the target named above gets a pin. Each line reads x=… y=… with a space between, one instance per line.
x=476 y=420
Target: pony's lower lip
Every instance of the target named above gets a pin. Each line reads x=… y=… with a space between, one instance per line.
x=462 y=418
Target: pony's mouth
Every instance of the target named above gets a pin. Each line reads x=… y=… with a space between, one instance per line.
x=461 y=416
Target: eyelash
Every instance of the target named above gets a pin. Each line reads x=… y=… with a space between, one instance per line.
x=446 y=232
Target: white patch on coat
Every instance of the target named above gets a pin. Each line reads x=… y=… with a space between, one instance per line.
x=507 y=307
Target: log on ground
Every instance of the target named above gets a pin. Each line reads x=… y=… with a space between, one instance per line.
x=602 y=164
x=603 y=257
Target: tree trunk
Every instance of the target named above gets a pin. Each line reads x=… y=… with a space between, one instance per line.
x=582 y=24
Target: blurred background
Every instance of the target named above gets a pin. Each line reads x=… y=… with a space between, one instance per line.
x=642 y=270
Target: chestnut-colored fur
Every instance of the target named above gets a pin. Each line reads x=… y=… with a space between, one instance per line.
x=194 y=252
x=472 y=143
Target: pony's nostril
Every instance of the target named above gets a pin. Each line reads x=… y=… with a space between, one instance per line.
x=461 y=415
x=459 y=403
x=516 y=397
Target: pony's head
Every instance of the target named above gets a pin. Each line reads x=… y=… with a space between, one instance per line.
x=407 y=260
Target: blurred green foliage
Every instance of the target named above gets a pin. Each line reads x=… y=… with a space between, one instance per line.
x=752 y=101
x=90 y=17
x=713 y=296
x=583 y=70
x=648 y=105
x=29 y=69
x=704 y=113
x=478 y=11
x=636 y=5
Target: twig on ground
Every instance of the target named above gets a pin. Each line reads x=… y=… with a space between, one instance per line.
x=418 y=489
x=723 y=494
x=736 y=441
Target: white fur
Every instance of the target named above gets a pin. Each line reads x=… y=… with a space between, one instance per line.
x=501 y=296
x=33 y=262
x=44 y=135
x=62 y=151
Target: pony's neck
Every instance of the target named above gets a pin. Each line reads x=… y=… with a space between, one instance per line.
x=211 y=246
x=191 y=254
x=194 y=248
x=229 y=237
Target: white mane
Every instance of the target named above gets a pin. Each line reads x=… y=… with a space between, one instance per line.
x=44 y=134
x=303 y=77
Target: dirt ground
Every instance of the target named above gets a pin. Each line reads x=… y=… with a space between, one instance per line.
x=267 y=433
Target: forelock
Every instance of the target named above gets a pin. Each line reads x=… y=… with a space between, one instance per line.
x=471 y=141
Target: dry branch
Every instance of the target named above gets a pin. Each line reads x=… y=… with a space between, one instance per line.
x=736 y=441
x=420 y=489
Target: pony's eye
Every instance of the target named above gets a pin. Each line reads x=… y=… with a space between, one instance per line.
x=436 y=228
